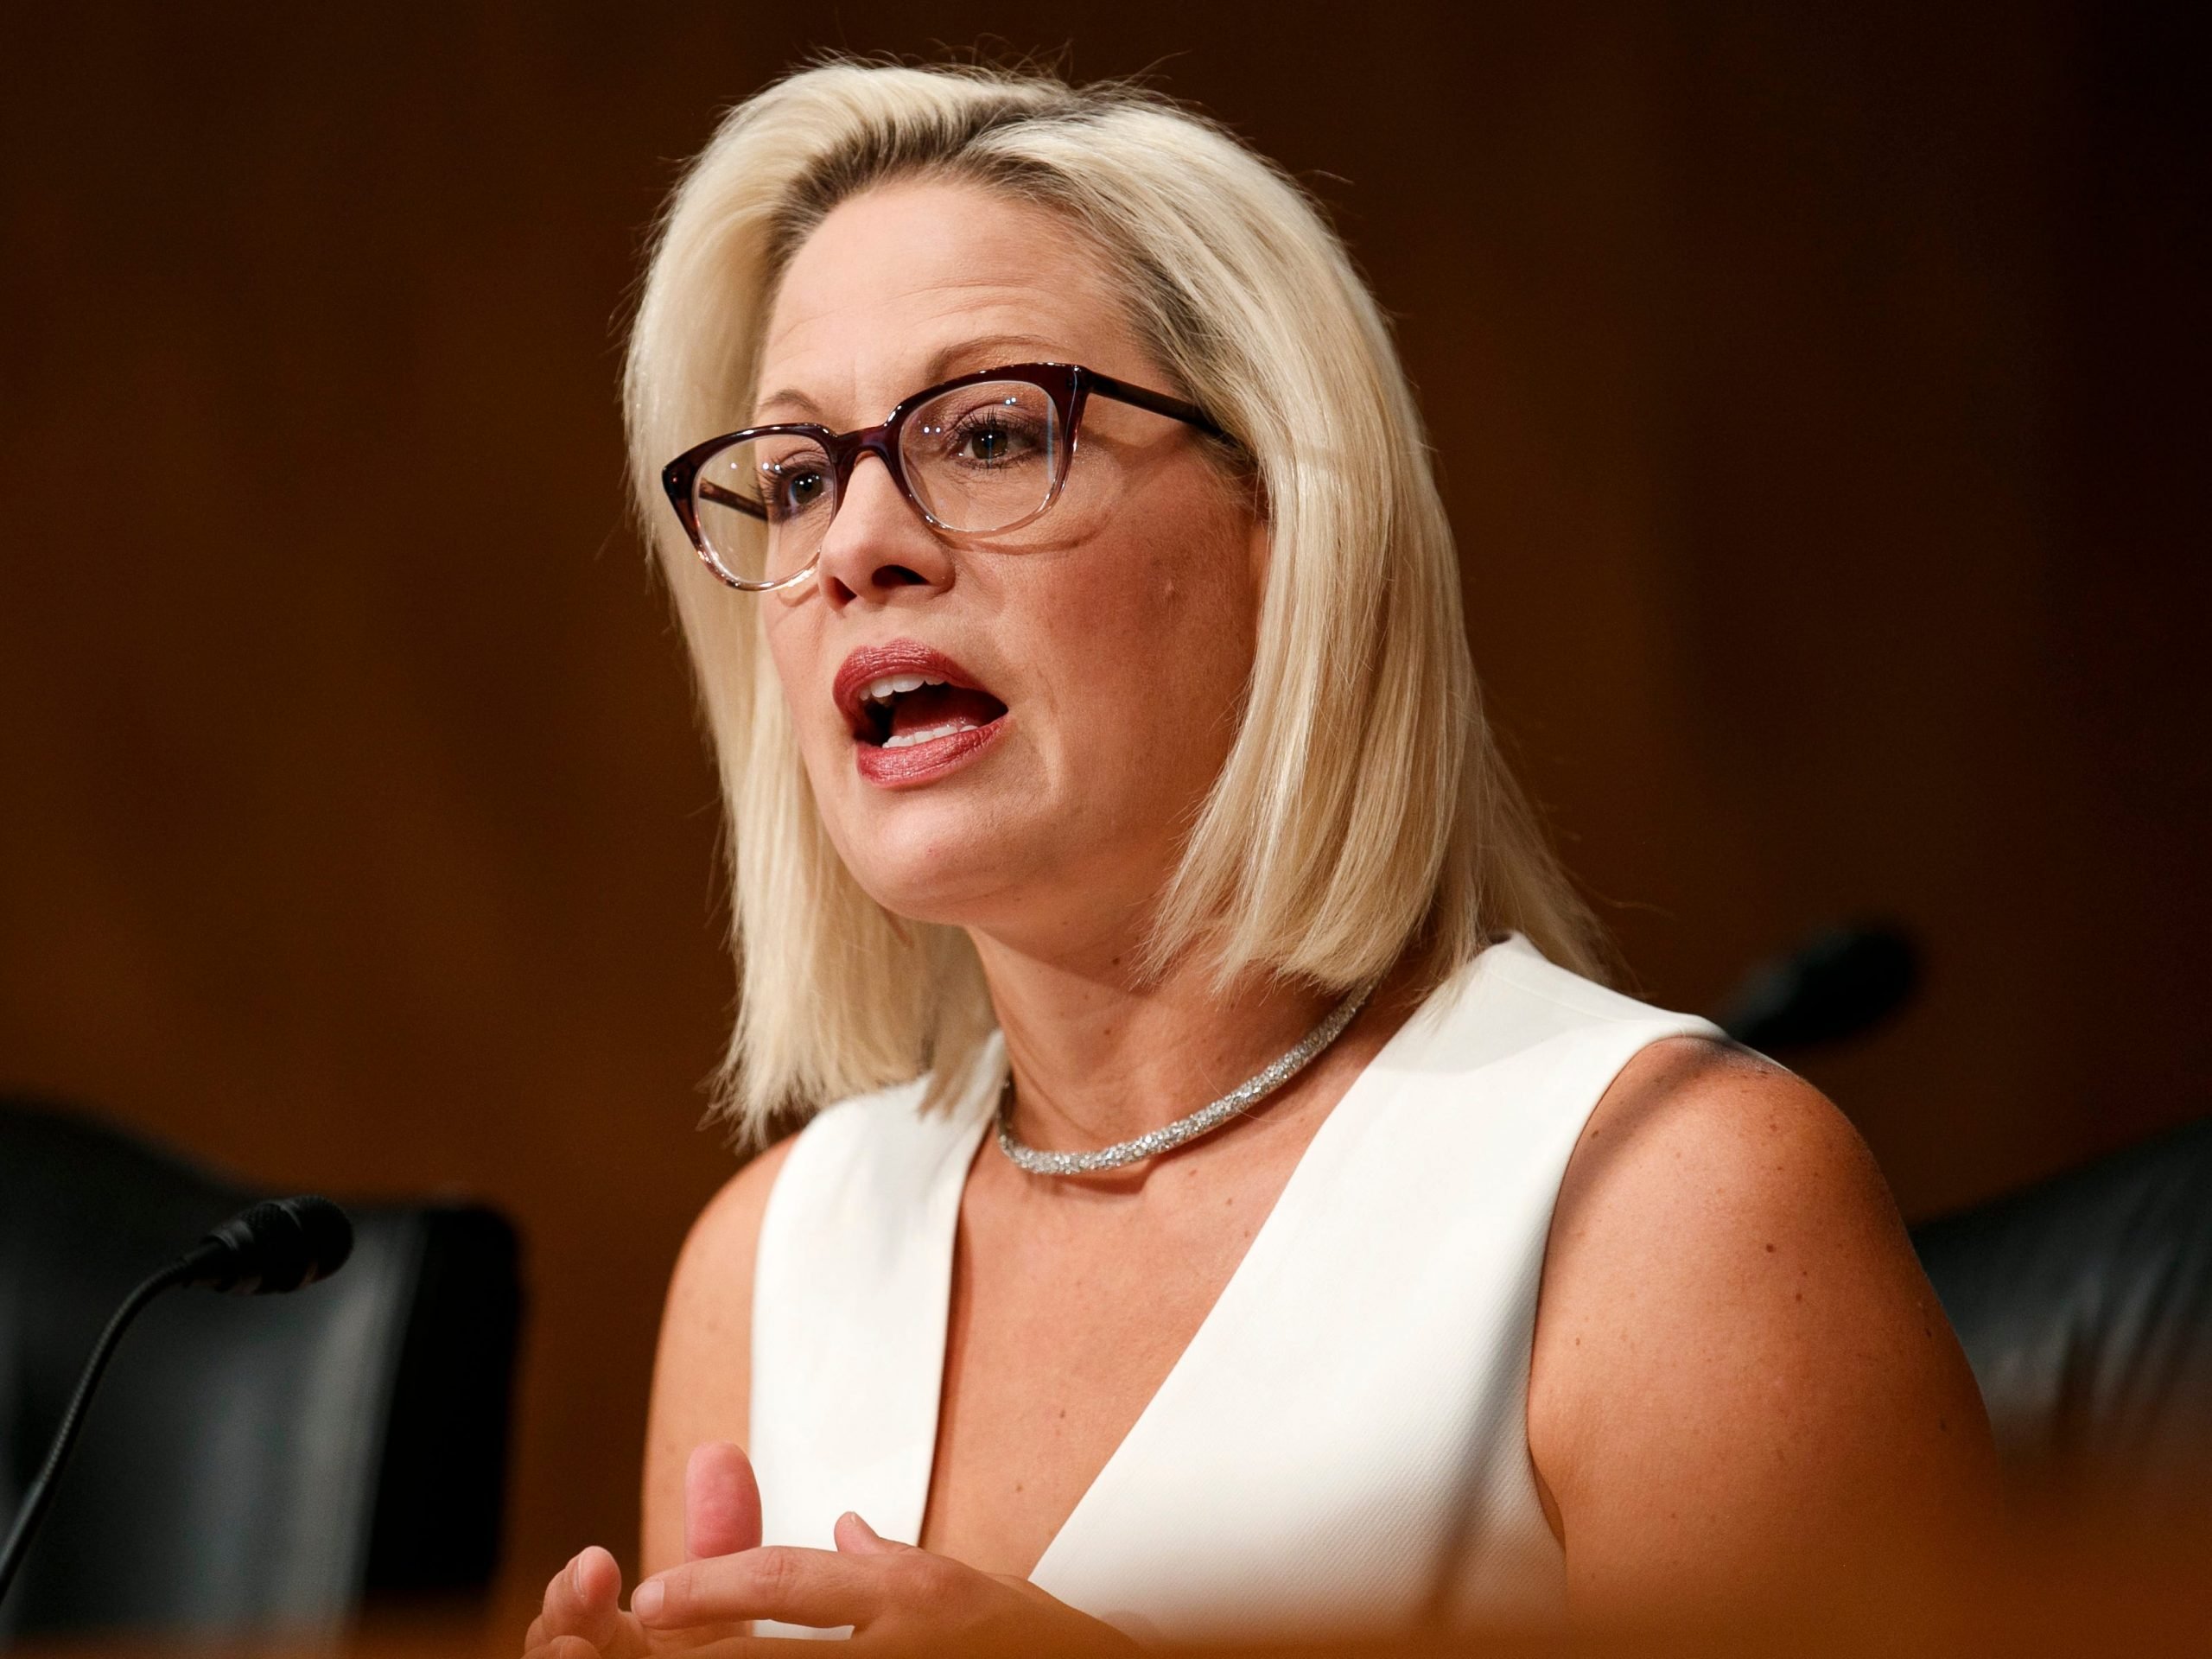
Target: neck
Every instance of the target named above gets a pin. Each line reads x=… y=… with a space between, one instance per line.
x=1099 y=1057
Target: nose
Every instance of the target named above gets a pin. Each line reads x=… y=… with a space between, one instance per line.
x=877 y=544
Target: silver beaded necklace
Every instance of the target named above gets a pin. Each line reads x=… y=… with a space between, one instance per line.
x=1169 y=1136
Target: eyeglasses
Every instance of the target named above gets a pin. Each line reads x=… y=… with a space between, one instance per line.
x=982 y=454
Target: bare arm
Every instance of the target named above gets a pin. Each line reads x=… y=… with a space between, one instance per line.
x=702 y=1372
x=1743 y=1385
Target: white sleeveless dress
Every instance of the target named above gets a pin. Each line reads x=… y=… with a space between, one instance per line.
x=1343 y=1447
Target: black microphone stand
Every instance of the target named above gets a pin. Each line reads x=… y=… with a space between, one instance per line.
x=275 y=1246
x=40 y=1490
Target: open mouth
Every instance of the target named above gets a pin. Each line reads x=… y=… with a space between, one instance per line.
x=899 y=711
x=913 y=712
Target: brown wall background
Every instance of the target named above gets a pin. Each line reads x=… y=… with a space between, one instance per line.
x=1821 y=397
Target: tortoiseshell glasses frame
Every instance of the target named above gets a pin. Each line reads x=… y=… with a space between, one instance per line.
x=1063 y=389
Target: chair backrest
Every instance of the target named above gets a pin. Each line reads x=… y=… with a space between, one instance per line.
x=250 y=1463
x=2085 y=1307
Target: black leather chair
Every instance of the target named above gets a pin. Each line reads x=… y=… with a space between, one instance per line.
x=2085 y=1307
x=250 y=1463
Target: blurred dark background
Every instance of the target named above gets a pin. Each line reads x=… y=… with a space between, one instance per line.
x=1821 y=398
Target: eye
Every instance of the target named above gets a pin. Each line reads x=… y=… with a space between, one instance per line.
x=789 y=490
x=997 y=429
x=982 y=457
x=993 y=437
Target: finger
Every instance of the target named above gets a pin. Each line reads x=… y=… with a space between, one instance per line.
x=855 y=1537
x=584 y=1600
x=562 y=1647
x=798 y=1586
x=722 y=1502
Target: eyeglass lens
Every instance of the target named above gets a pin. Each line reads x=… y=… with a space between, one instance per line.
x=977 y=459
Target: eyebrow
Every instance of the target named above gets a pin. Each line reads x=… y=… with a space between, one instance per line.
x=939 y=368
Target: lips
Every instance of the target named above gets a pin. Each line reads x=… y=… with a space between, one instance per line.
x=913 y=712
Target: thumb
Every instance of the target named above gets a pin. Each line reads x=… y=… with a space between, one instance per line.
x=855 y=1537
x=584 y=1600
x=722 y=1502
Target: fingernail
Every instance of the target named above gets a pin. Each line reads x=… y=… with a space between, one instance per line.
x=856 y=1518
x=576 y=1574
x=646 y=1599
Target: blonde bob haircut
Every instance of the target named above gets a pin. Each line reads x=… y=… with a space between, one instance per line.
x=1363 y=811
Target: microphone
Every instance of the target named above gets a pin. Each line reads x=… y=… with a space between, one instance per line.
x=1839 y=982
x=272 y=1246
x=279 y=1244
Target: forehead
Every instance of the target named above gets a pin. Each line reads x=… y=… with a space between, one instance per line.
x=915 y=282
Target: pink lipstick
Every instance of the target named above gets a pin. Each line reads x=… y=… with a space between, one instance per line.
x=914 y=713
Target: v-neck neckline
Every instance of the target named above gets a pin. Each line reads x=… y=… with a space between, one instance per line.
x=1274 y=1239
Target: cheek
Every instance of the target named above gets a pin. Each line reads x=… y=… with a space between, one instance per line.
x=1165 y=639
x=787 y=654
x=794 y=648
x=1199 y=610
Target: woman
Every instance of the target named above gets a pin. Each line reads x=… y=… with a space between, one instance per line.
x=1100 y=744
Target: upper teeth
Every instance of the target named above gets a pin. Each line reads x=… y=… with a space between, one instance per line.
x=892 y=685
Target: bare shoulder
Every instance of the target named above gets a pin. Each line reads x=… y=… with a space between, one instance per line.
x=703 y=1368
x=1702 y=1140
x=1738 y=1359
x=1710 y=1195
x=718 y=1252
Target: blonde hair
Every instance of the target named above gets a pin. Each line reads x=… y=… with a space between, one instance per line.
x=1363 y=811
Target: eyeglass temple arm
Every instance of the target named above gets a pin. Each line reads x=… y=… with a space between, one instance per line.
x=711 y=491
x=1158 y=403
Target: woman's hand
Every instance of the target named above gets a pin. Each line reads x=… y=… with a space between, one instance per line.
x=894 y=1596
x=582 y=1617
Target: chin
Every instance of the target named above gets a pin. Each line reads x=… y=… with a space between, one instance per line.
x=935 y=860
